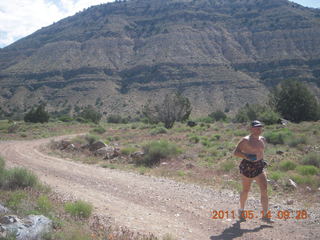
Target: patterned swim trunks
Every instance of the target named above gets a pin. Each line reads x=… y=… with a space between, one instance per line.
x=251 y=169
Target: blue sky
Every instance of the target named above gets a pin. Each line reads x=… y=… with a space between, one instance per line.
x=19 y=18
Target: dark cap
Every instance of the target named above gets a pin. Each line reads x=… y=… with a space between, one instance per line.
x=256 y=123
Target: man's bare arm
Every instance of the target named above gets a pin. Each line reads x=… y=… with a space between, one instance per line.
x=238 y=151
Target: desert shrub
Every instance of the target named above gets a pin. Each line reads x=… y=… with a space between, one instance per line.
x=38 y=115
x=99 y=130
x=89 y=113
x=303 y=179
x=227 y=166
x=128 y=150
x=158 y=130
x=307 y=170
x=19 y=178
x=269 y=117
x=2 y=164
x=114 y=119
x=205 y=120
x=287 y=165
x=157 y=150
x=44 y=206
x=277 y=137
x=15 y=199
x=174 y=108
x=295 y=102
x=65 y=118
x=218 y=115
x=275 y=175
x=79 y=209
x=90 y=138
x=312 y=158
x=297 y=140
x=193 y=138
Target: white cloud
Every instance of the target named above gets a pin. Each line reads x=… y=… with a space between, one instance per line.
x=19 y=18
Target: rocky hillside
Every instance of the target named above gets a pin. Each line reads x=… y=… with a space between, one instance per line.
x=219 y=53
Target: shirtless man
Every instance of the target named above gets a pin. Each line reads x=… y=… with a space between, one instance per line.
x=251 y=150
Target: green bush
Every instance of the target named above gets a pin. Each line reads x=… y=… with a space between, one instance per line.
x=297 y=140
x=65 y=118
x=312 y=158
x=303 y=179
x=218 y=115
x=205 y=120
x=269 y=117
x=287 y=165
x=128 y=150
x=116 y=119
x=193 y=138
x=90 y=138
x=227 y=166
x=275 y=175
x=15 y=199
x=158 y=130
x=37 y=116
x=44 y=206
x=295 y=101
x=89 y=113
x=19 y=178
x=79 y=209
x=307 y=170
x=277 y=137
x=2 y=164
x=157 y=150
x=99 y=130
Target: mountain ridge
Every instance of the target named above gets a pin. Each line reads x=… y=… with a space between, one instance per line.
x=220 y=54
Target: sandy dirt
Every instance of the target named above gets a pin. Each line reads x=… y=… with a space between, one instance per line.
x=158 y=205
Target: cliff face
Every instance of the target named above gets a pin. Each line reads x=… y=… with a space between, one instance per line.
x=221 y=54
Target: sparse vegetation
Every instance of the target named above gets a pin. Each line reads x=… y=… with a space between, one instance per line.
x=173 y=108
x=157 y=150
x=79 y=209
x=38 y=115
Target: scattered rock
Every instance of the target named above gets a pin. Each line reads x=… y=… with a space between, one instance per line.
x=137 y=155
x=292 y=183
x=97 y=145
x=64 y=144
x=309 y=188
x=164 y=163
x=30 y=228
x=289 y=202
x=279 y=152
x=104 y=151
x=3 y=209
x=8 y=219
x=70 y=147
x=191 y=123
x=190 y=165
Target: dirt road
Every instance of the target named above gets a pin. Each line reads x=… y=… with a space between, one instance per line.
x=157 y=205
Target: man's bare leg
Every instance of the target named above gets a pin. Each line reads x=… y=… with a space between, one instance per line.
x=262 y=182
x=246 y=183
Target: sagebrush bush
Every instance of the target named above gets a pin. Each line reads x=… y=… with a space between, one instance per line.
x=275 y=175
x=79 y=209
x=128 y=150
x=228 y=166
x=287 y=165
x=296 y=140
x=44 y=205
x=90 y=138
x=158 y=130
x=157 y=150
x=19 y=178
x=99 y=130
x=307 y=170
x=312 y=158
x=277 y=137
